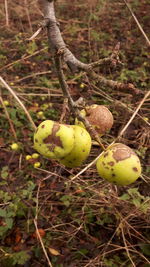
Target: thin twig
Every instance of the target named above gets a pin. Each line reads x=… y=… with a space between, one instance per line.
x=23 y=58
x=35 y=34
x=126 y=246
x=123 y=130
x=72 y=104
x=137 y=22
x=134 y=114
x=113 y=84
x=28 y=15
x=6 y=13
x=9 y=119
x=56 y=43
x=61 y=77
x=64 y=109
x=33 y=75
x=19 y=101
x=87 y=167
x=42 y=25
x=36 y=227
x=98 y=91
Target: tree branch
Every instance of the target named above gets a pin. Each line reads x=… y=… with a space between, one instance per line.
x=61 y=52
x=56 y=43
x=73 y=105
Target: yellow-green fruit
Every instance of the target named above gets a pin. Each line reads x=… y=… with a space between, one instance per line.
x=35 y=156
x=98 y=116
x=14 y=146
x=81 y=149
x=28 y=157
x=37 y=164
x=6 y=103
x=54 y=140
x=119 y=164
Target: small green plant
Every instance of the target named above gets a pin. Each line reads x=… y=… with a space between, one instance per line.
x=66 y=199
x=31 y=47
x=14 y=259
x=12 y=206
x=140 y=201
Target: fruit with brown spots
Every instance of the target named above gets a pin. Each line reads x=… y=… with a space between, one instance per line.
x=119 y=164
x=54 y=140
x=98 y=116
x=81 y=149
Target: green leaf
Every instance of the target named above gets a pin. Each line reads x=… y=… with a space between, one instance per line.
x=136 y=202
x=4 y=196
x=145 y=206
x=20 y=257
x=66 y=200
x=145 y=249
x=3 y=230
x=9 y=222
x=125 y=197
x=3 y=183
x=31 y=47
x=83 y=251
x=2 y=213
x=4 y=172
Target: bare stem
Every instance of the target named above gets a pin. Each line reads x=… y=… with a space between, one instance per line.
x=56 y=43
x=72 y=104
x=134 y=114
x=36 y=227
x=19 y=101
x=138 y=24
x=9 y=119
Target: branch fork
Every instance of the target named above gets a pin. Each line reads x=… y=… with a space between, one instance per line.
x=61 y=52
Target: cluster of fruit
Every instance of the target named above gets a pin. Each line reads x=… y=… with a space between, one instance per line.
x=71 y=145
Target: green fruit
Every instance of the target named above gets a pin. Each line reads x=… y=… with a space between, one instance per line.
x=54 y=140
x=81 y=149
x=119 y=164
x=98 y=116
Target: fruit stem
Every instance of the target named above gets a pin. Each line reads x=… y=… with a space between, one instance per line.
x=90 y=129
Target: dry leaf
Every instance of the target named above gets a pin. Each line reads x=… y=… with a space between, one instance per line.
x=41 y=232
x=54 y=251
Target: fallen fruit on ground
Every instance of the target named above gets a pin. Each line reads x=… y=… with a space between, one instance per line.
x=81 y=149
x=119 y=164
x=54 y=140
x=35 y=155
x=98 y=116
x=37 y=164
x=15 y=146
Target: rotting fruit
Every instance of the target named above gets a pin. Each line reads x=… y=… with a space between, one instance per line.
x=98 y=116
x=54 y=140
x=119 y=164
x=81 y=149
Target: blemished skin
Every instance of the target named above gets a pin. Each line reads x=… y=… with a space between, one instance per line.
x=98 y=116
x=54 y=140
x=119 y=165
x=81 y=149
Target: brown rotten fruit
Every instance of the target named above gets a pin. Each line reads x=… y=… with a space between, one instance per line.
x=98 y=116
